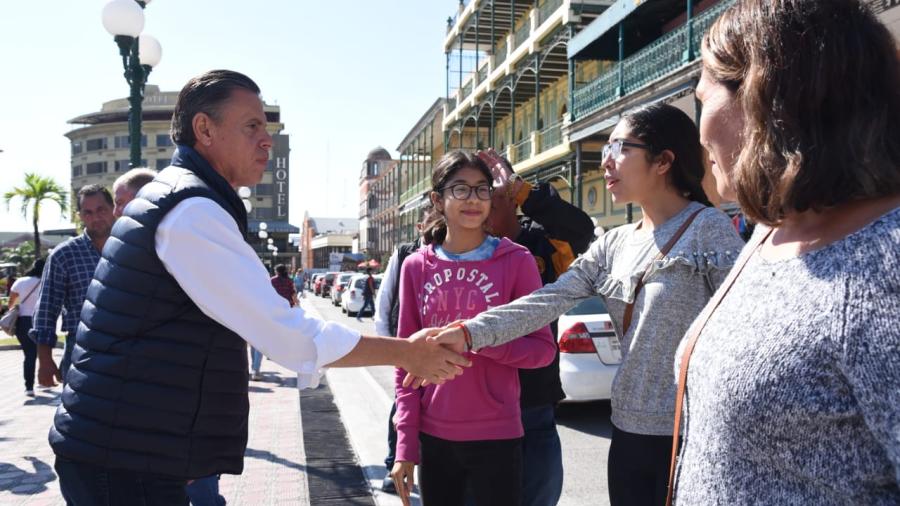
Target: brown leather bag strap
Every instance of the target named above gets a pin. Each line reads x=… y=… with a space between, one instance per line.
x=694 y=334
x=629 y=309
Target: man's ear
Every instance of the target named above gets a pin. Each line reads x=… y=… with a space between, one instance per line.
x=664 y=160
x=203 y=126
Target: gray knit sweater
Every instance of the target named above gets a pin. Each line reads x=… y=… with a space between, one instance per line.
x=676 y=289
x=794 y=386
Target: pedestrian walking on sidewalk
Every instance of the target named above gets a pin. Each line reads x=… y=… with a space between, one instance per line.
x=298 y=283
x=792 y=392
x=679 y=252
x=368 y=295
x=466 y=433
x=67 y=275
x=159 y=394
x=24 y=291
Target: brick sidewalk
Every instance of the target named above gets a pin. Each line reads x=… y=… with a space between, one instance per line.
x=274 y=464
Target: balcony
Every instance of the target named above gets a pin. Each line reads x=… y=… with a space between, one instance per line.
x=547 y=9
x=550 y=137
x=672 y=51
x=414 y=191
x=522 y=149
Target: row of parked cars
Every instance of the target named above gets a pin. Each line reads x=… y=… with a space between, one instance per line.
x=345 y=289
x=590 y=352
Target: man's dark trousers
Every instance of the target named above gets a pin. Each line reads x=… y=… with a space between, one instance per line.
x=541 y=450
x=88 y=485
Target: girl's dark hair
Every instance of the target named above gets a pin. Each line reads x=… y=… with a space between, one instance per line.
x=665 y=127
x=434 y=226
x=819 y=85
x=37 y=268
x=281 y=270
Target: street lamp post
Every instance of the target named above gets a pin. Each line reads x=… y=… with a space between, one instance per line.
x=124 y=19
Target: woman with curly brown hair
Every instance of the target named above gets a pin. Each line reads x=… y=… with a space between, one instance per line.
x=793 y=385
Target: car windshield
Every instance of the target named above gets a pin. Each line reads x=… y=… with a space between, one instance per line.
x=592 y=305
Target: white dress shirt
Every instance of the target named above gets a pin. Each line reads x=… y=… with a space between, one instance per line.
x=385 y=298
x=201 y=246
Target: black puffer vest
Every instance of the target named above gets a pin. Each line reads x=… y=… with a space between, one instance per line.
x=155 y=385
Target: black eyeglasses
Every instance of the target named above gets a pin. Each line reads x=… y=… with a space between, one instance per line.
x=462 y=191
x=614 y=148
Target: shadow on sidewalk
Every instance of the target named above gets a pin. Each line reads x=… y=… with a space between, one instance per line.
x=44 y=400
x=271 y=457
x=21 y=482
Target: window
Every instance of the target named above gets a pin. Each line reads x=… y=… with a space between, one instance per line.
x=264 y=189
x=162 y=163
x=163 y=140
x=96 y=144
x=264 y=213
x=121 y=165
x=76 y=147
x=95 y=168
x=76 y=171
x=124 y=141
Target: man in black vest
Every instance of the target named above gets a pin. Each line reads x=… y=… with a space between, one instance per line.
x=157 y=391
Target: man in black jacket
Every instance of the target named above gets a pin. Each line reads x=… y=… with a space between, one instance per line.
x=555 y=232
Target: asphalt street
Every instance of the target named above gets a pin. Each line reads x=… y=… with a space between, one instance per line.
x=364 y=397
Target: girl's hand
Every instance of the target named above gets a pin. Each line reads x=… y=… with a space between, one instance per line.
x=402 y=474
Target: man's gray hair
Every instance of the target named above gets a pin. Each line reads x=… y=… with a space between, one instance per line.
x=135 y=178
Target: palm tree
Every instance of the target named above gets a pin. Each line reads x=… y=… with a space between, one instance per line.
x=36 y=190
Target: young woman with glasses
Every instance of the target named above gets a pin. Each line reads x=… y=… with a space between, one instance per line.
x=653 y=159
x=465 y=434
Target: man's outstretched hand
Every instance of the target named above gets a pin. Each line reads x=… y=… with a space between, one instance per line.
x=451 y=339
x=429 y=359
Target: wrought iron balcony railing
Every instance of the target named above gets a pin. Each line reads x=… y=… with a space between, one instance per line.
x=522 y=33
x=663 y=56
x=550 y=137
x=466 y=89
x=523 y=149
x=547 y=9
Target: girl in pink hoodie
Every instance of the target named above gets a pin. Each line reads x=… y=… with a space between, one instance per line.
x=465 y=433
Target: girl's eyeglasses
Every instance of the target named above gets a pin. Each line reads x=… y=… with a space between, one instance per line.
x=461 y=191
x=614 y=148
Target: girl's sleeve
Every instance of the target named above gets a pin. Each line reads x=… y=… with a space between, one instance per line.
x=504 y=323
x=536 y=349
x=408 y=399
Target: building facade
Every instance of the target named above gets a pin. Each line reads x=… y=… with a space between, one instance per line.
x=100 y=148
x=509 y=80
x=322 y=237
x=422 y=147
x=377 y=204
x=646 y=52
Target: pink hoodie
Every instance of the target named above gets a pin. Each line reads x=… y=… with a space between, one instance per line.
x=483 y=402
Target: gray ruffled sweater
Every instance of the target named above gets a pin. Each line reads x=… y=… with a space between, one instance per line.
x=675 y=290
x=793 y=391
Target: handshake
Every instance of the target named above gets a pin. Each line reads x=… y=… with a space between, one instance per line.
x=436 y=355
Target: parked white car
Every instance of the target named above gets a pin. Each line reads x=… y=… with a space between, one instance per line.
x=589 y=352
x=339 y=285
x=352 y=298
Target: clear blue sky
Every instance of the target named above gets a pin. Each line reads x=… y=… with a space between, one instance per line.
x=348 y=76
